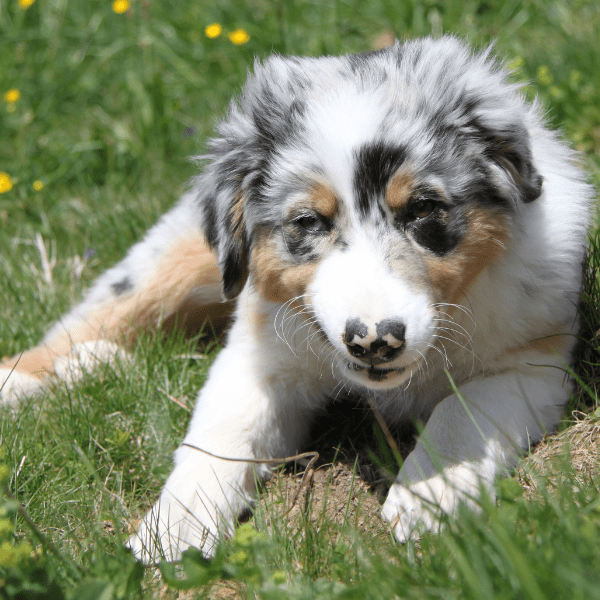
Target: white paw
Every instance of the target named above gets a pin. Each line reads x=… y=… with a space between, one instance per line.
x=15 y=385
x=417 y=507
x=84 y=357
x=168 y=529
x=199 y=504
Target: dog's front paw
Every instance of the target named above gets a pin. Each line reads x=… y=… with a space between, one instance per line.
x=414 y=508
x=169 y=528
x=199 y=504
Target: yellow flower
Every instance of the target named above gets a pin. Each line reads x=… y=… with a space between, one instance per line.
x=239 y=37
x=12 y=96
x=239 y=557
x=22 y=551
x=121 y=6
x=5 y=182
x=26 y=3
x=544 y=76
x=38 y=185
x=213 y=31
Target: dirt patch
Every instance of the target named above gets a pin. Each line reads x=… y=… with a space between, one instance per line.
x=349 y=481
x=579 y=445
x=353 y=476
x=334 y=494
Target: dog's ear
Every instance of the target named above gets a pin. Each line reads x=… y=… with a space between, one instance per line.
x=498 y=119
x=221 y=192
x=222 y=202
x=489 y=110
x=233 y=186
x=511 y=163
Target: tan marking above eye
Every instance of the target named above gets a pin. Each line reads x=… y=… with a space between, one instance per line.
x=399 y=190
x=323 y=200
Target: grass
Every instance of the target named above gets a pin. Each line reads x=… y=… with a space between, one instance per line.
x=109 y=108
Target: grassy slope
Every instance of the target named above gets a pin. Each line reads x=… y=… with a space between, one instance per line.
x=110 y=107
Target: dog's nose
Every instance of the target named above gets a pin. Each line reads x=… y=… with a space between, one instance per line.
x=375 y=345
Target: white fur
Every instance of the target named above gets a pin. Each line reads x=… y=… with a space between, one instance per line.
x=15 y=385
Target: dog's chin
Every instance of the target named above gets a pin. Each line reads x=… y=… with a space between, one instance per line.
x=375 y=378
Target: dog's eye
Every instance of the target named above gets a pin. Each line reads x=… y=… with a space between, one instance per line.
x=313 y=223
x=422 y=208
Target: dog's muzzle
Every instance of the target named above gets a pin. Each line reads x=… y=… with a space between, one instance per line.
x=374 y=347
x=381 y=343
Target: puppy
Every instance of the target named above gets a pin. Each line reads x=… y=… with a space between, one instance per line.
x=398 y=226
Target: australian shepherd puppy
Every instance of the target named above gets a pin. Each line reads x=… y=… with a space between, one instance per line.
x=398 y=226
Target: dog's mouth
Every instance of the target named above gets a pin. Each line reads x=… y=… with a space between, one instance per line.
x=375 y=374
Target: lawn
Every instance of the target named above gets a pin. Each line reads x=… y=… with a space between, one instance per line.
x=101 y=106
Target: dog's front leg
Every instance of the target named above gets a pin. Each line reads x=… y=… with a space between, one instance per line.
x=469 y=440
x=245 y=410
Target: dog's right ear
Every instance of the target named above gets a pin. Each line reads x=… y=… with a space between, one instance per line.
x=222 y=205
x=227 y=235
x=238 y=167
x=232 y=166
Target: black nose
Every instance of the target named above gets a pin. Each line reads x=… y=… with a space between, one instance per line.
x=377 y=345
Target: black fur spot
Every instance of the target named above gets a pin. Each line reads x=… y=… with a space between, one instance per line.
x=210 y=223
x=299 y=246
x=302 y=247
x=234 y=272
x=363 y=65
x=120 y=287
x=532 y=188
x=297 y=109
x=440 y=232
x=394 y=327
x=484 y=193
x=375 y=165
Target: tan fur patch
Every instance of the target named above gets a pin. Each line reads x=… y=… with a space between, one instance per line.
x=167 y=300
x=36 y=362
x=237 y=216
x=276 y=280
x=556 y=343
x=483 y=243
x=323 y=200
x=399 y=190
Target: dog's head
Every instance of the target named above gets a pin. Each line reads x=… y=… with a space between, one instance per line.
x=371 y=190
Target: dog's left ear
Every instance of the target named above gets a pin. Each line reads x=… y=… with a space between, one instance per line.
x=510 y=153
